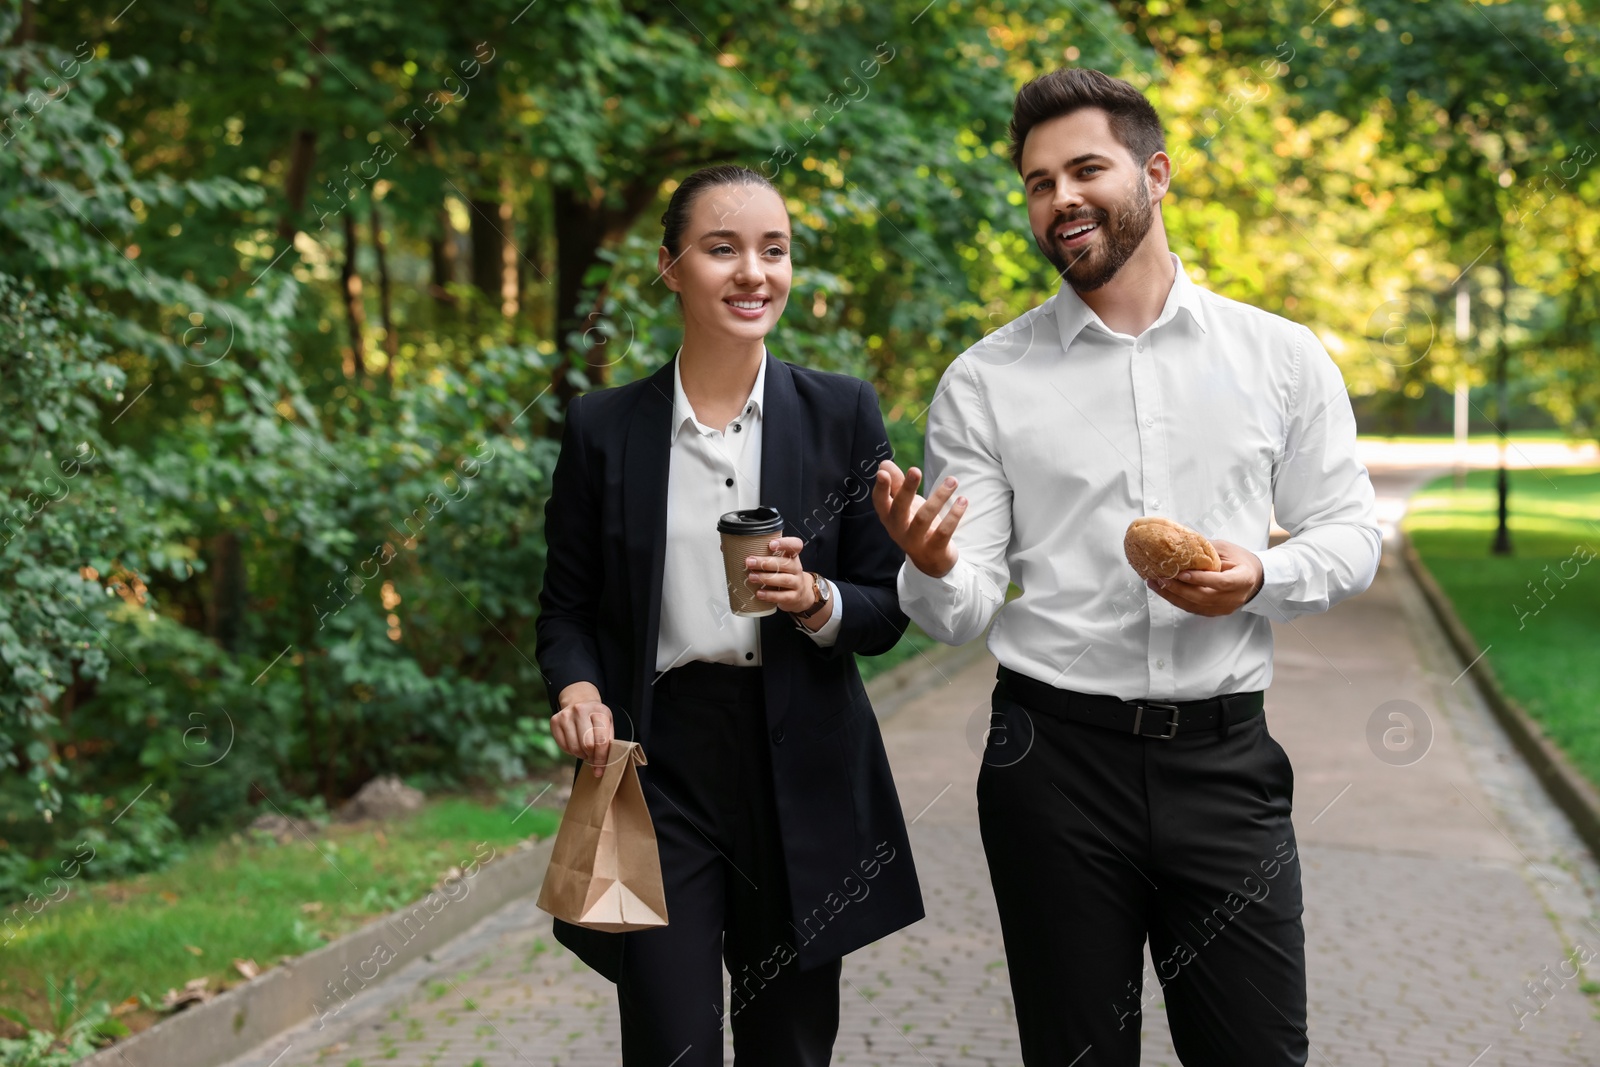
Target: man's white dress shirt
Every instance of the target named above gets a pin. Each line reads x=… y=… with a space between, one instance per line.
x=712 y=472
x=1061 y=431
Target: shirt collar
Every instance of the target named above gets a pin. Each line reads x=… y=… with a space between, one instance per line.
x=1072 y=314
x=683 y=412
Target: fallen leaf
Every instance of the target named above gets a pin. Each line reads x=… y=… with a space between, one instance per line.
x=131 y=1004
x=194 y=949
x=194 y=992
x=311 y=907
x=248 y=968
x=169 y=896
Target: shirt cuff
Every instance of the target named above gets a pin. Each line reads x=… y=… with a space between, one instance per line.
x=1277 y=582
x=828 y=633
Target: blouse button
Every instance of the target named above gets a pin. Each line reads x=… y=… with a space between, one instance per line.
x=749 y=655
x=728 y=482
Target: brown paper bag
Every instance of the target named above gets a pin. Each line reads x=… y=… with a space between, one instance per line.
x=605 y=872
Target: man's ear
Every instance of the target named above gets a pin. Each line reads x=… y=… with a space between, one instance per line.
x=1158 y=173
x=666 y=266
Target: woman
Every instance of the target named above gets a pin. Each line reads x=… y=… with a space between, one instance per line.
x=781 y=839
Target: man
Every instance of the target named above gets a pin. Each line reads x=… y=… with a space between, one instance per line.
x=1130 y=788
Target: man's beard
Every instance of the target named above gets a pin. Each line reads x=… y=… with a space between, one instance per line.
x=1121 y=231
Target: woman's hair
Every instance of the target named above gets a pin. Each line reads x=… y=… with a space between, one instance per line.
x=1134 y=122
x=676 y=218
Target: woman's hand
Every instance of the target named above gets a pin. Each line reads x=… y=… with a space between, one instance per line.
x=779 y=579
x=583 y=726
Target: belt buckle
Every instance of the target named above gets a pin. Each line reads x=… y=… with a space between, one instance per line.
x=1172 y=723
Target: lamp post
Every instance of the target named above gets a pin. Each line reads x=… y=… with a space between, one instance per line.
x=1463 y=330
x=1502 y=533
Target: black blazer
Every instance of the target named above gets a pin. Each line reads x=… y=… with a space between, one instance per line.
x=851 y=879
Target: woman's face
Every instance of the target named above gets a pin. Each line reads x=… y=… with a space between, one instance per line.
x=733 y=269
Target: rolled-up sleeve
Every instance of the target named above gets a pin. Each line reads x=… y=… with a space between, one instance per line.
x=1322 y=495
x=960 y=443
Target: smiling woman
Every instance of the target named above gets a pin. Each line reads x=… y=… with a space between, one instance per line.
x=742 y=713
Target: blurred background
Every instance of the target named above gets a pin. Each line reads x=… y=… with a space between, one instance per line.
x=293 y=294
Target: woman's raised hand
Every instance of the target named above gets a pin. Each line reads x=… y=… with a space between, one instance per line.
x=911 y=520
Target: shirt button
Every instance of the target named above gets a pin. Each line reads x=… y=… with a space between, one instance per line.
x=1139 y=347
x=728 y=482
x=1148 y=421
x=1155 y=505
x=777 y=737
x=749 y=655
x=736 y=427
x=1160 y=663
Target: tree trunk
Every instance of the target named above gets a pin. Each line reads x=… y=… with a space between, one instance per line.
x=301 y=156
x=21 y=36
x=510 y=290
x=442 y=254
x=583 y=226
x=228 y=590
x=355 y=367
x=391 y=339
x=490 y=225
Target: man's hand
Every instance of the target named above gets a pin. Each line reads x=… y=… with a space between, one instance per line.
x=583 y=726
x=910 y=519
x=1214 y=593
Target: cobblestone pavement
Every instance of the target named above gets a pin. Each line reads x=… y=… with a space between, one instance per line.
x=1435 y=889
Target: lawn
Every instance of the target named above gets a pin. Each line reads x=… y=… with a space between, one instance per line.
x=1540 y=437
x=246 y=896
x=1538 y=610
x=912 y=642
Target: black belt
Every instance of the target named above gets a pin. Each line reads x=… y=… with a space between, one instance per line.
x=712 y=681
x=1147 y=718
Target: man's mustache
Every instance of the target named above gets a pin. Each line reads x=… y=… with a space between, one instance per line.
x=1100 y=217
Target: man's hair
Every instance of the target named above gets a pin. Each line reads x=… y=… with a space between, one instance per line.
x=1061 y=92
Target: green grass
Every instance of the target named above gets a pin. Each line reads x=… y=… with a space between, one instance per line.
x=1543 y=651
x=244 y=895
x=1542 y=437
x=911 y=643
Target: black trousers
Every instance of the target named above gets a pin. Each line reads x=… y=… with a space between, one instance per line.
x=708 y=785
x=1097 y=840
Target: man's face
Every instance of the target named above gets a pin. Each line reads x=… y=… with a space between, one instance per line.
x=1089 y=203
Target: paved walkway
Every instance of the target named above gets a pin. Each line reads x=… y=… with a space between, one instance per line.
x=1436 y=887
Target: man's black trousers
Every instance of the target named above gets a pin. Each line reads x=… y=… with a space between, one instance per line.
x=1098 y=840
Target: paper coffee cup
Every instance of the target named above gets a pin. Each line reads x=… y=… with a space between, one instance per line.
x=747 y=533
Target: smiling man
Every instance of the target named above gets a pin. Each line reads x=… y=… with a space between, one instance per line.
x=1130 y=789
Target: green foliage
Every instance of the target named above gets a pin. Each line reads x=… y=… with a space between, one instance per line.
x=77 y=1029
x=273 y=501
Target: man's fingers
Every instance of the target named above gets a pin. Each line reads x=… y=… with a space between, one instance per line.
x=883 y=496
x=1178 y=600
x=929 y=511
x=905 y=495
x=947 y=526
x=1220 y=581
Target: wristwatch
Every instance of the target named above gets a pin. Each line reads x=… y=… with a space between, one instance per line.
x=824 y=592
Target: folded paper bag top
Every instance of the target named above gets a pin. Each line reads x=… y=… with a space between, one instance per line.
x=605 y=872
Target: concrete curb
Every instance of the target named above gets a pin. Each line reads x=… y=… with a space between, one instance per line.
x=1570 y=790
x=904 y=682
x=242 y=1018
